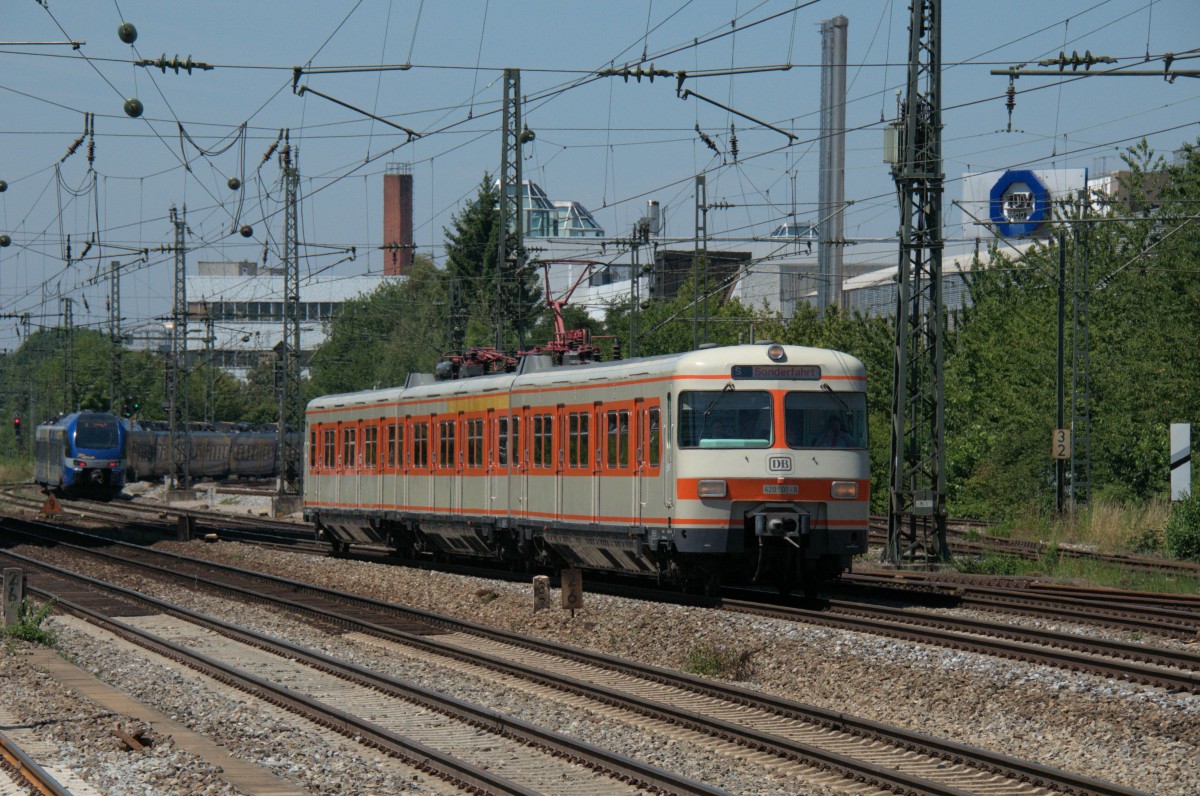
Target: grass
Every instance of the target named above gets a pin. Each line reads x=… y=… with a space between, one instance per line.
x=14 y=469
x=708 y=661
x=1106 y=527
x=28 y=626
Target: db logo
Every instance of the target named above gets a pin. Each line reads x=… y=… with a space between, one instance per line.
x=779 y=464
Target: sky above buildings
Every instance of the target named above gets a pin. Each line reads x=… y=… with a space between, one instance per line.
x=609 y=143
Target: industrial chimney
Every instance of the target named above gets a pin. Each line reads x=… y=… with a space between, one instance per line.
x=397 y=219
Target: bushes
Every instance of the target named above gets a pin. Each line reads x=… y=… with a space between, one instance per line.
x=1182 y=536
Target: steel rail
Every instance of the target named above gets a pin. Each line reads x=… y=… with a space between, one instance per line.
x=28 y=769
x=946 y=750
x=613 y=765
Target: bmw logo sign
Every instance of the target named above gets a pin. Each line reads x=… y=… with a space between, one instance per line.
x=1019 y=204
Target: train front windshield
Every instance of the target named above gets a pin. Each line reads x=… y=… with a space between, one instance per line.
x=725 y=419
x=96 y=433
x=825 y=419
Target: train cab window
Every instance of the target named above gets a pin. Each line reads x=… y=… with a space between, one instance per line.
x=502 y=442
x=653 y=438
x=349 y=437
x=330 y=448
x=371 y=447
x=420 y=457
x=825 y=419
x=96 y=433
x=312 y=448
x=725 y=419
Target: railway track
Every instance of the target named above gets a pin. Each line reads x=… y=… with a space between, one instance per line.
x=1162 y=616
x=885 y=758
x=25 y=772
x=1034 y=551
x=467 y=746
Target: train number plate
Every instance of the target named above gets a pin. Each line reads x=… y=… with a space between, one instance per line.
x=779 y=464
x=780 y=489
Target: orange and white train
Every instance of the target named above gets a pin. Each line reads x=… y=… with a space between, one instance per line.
x=743 y=464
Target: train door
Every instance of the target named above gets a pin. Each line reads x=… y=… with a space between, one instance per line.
x=637 y=449
x=595 y=455
x=497 y=467
x=521 y=433
x=558 y=452
x=445 y=463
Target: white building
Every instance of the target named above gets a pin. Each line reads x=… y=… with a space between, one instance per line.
x=245 y=309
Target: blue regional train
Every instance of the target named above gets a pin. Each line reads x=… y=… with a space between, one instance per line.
x=96 y=453
x=82 y=453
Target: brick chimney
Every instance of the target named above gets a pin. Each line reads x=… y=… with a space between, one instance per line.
x=397 y=219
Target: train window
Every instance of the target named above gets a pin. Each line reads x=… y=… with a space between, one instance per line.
x=725 y=419
x=502 y=441
x=516 y=442
x=538 y=431
x=391 y=444
x=312 y=448
x=623 y=440
x=370 y=447
x=618 y=439
x=420 y=445
x=654 y=437
x=475 y=442
x=349 y=437
x=330 y=448
x=573 y=440
x=446 y=431
x=825 y=419
x=97 y=433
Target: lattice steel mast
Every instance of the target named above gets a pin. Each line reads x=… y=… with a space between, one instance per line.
x=291 y=401
x=511 y=253
x=177 y=408
x=917 y=514
x=114 y=335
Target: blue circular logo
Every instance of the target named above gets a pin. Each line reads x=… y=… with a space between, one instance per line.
x=1019 y=204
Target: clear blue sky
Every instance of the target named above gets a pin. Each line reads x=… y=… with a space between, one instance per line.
x=608 y=144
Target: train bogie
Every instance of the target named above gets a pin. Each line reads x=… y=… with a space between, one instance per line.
x=744 y=464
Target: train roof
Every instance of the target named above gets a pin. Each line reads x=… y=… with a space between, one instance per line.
x=704 y=361
x=69 y=419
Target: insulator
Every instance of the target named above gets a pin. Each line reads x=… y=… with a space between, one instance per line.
x=246 y=230
x=733 y=143
x=1011 y=95
x=127 y=33
x=74 y=147
x=91 y=151
x=234 y=183
x=133 y=107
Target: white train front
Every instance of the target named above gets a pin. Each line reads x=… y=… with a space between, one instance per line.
x=718 y=466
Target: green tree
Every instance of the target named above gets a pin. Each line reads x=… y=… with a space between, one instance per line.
x=472 y=248
x=378 y=339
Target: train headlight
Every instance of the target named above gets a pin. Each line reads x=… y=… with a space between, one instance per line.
x=712 y=489
x=843 y=490
x=776 y=353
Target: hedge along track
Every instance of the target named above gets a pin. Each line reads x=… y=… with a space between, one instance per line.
x=555 y=763
x=870 y=753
